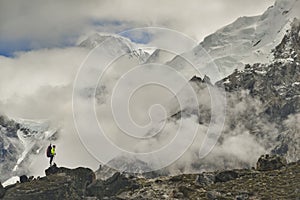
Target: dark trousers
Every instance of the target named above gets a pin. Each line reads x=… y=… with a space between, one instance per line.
x=51 y=159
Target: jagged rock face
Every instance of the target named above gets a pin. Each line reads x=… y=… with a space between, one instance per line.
x=274 y=92
x=262 y=100
x=267 y=162
x=277 y=85
x=290 y=45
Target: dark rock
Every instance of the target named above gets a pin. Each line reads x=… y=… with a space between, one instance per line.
x=2 y=190
x=242 y=197
x=206 y=178
x=112 y=186
x=270 y=162
x=196 y=79
x=206 y=80
x=23 y=179
x=186 y=191
x=213 y=195
x=281 y=149
x=60 y=183
x=82 y=176
x=52 y=170
x=226 y=176
x=245 y=195
x=31 y=178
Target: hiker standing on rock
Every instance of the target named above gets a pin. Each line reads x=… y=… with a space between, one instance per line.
x=51 y=153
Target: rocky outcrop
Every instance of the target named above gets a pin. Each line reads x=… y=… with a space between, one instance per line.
x=239 y=184
x=60 y=183
x=270 y=162
x=113 y=186
x=23 y=179
x=81 y=177
x=276 y=84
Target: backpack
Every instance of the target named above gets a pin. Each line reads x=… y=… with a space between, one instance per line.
x=48 y=152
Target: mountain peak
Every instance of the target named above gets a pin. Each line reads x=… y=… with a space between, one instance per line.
x=247 y=40
x=97 y=38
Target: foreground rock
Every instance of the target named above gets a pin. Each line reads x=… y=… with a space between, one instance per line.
x=113 y=186
x=270 y=162
x=60 y=183
x=279 y=181
x=242 y=184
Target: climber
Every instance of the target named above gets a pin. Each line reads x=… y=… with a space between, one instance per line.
x=52 y=154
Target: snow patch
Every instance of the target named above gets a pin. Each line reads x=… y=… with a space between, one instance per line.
x=11 y=181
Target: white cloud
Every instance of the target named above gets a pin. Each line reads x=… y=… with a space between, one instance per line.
x=51 y=23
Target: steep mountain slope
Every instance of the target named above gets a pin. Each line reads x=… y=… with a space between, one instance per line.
x=19 y=139
x=248 y=40
x=262 y=109
x=277 y=86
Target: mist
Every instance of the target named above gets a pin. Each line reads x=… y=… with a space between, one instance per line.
x=41 y=84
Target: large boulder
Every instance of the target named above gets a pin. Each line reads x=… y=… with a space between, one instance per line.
x=208 y=178
x=225 y=176
x=23 y=179
x=270 y=162
x=112 y=186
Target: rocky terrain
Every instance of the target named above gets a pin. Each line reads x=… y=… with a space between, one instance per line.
x=272 y=178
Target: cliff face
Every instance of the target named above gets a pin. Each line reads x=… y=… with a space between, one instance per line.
x=273 y=178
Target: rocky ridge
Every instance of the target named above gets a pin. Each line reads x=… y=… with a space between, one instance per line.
x=272 y=178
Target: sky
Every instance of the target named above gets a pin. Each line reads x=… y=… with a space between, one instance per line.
x=34 y=24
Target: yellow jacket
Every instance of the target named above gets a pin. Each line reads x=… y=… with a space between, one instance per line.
x=53 y=151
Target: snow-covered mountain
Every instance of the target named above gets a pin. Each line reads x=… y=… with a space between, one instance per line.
x=19 y=140
x=114 y=44
x=263 y=105
x=263 y=98
x=246 y=41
